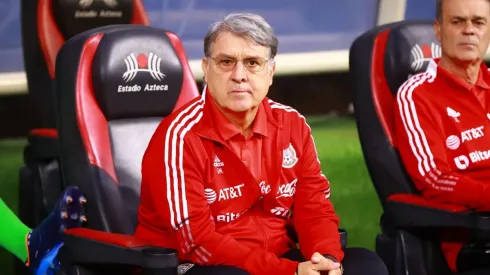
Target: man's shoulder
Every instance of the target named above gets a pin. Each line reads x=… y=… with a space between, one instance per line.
x=417 y=87
x=285 y=113
x=182 y=121
x=420 y=81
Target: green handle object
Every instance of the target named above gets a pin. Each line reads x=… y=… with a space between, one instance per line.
x=13 y=232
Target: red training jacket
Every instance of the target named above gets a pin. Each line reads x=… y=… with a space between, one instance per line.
x=443 y=136
x=198 y=197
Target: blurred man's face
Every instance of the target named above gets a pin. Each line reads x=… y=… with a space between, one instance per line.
x=238 y=73
x=464 y=31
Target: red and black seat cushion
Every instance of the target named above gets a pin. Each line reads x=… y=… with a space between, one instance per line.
x=114 y=85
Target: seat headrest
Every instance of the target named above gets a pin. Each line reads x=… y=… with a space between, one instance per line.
x=135 y=72
x=76 y=16
x=409 y=48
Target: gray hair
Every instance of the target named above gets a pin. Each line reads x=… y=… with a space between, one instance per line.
x=247 y=25
x=439 y=10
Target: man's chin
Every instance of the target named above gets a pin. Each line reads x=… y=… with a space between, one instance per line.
x=241 y=107
x=469 y=58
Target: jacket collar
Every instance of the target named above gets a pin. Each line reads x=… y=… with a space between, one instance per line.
x=212 y=128
x=482 y=81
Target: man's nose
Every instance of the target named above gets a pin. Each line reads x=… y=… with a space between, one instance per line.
x=469 y=28
x=239 y=73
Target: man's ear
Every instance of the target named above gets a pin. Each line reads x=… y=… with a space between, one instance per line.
x=204 y=67
x=272 y=70
x=437 y=30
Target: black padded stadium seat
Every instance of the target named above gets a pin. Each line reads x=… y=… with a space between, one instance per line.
x=46 y=25
x=112 y=92
x=381 y=60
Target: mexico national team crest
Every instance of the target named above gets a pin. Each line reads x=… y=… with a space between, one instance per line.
x=289 y=158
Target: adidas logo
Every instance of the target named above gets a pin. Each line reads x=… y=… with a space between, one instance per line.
x=218 y=162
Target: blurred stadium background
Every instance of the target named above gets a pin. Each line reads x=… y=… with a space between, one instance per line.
x=312 y=76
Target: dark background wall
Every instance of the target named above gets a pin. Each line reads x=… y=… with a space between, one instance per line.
x=309 y=94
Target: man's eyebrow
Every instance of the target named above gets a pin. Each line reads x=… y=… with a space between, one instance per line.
x=222 y=55
x=225 y=56
x=478 y=17
x=464 y=18
x=459 y=17
x=255 y=56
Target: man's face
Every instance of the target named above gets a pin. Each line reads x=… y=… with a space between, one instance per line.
x=464 y=31
x=238 y=74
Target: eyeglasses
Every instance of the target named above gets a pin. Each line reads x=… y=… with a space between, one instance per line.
x=251 y=64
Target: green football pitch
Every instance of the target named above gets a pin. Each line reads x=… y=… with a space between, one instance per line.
x=352 y=192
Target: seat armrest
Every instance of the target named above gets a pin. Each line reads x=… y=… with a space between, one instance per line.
x=84 y=246
x=343 y=238
x=42 y=144
x=413 y=211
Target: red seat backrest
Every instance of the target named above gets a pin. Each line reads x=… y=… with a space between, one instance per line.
x=47 y=24
x=49 y=27
x=114 y=85
x=381 y=60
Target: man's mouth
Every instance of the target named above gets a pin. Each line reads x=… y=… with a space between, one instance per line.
x=467 y=44
x=240 y=91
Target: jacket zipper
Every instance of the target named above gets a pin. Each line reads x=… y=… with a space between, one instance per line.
x=266 y=241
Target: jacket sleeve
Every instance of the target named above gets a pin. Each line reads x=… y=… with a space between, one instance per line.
x=422 y=147
x=314 y=218
x=173 y=178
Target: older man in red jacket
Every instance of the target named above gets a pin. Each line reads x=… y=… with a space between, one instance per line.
x=442 y=123
x=225 y=175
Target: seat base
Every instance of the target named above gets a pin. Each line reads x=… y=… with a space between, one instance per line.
x=415 y=253
x=39 y=189
x=40 y=178
x=412 y=253
x=476 y=272
x=40 y=186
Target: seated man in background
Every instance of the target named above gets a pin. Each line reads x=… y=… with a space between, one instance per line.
x=442 y=118
x=38 y=247
x=224 y=176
